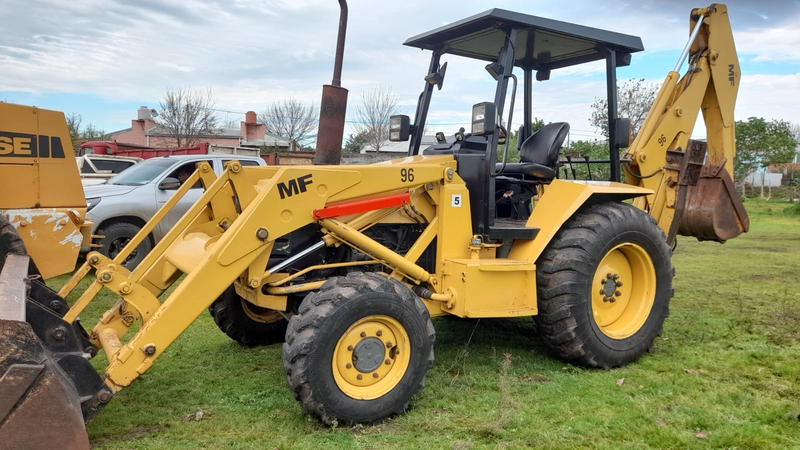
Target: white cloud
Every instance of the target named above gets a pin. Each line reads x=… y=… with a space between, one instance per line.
x=253 y=52
x=769 y=96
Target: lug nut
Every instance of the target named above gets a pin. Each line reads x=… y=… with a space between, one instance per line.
x=388 y=361
x=350 y=348
x=389 y=345
x=618 y=283
x=379 y=333
x=349 y=366
x=359 y=376
x=618 y=293
x=615 y=277
x=363 y=335
x=602 y=291
x=374 y=374
x=609 y=275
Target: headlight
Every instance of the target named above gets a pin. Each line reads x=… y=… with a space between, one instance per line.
x=91 y=203
x=484 y=118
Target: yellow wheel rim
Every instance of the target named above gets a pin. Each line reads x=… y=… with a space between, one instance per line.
x=371 y=357
x=259 y=314
x=623 y=291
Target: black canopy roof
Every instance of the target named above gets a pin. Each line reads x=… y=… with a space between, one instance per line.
x=541 y=43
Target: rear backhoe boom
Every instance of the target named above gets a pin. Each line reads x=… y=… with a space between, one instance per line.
x=693 y=180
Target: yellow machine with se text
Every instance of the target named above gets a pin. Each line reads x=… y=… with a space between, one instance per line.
x=42 y=196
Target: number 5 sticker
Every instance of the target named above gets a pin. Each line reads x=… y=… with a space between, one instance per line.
x=455 y=202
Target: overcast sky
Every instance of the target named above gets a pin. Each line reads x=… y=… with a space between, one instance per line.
x=103 y=59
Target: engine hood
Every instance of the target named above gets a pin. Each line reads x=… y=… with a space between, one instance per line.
x=106 y=190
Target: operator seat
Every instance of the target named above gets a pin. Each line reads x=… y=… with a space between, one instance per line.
x=538 y=155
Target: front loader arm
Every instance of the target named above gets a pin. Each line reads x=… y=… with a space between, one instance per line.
x=693 y=180
x=226 y=238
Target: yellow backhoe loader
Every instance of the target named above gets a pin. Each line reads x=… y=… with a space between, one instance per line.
x=347 y=264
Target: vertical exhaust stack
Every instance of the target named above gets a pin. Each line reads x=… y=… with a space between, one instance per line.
x=333 y=106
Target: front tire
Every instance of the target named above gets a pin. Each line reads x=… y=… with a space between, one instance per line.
x=604 y=284
x=359 y=349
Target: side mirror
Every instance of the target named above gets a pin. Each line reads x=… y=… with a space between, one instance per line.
x=399 y=128
x=623 y=133
x=484 y=118
x=169 y=183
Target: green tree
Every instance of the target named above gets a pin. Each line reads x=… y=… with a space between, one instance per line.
x=760 y=143
x=594 y=150
x=355 y=142
x=634 y=99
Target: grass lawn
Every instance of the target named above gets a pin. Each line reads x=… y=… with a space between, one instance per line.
x=725 y=374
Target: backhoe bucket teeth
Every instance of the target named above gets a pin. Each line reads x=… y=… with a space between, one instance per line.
x=48 y=389
x=712 y=210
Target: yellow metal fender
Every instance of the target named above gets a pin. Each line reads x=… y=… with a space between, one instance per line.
x=561 y=199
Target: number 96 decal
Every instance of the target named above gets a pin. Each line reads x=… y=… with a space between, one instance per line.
x=406 y=175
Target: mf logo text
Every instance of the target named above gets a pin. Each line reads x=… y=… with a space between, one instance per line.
x=295 y=186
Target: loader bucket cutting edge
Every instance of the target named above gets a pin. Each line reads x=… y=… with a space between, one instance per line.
x=40 y=405
x=713 y=210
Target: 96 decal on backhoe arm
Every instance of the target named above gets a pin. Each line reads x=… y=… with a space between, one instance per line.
x=347 y=264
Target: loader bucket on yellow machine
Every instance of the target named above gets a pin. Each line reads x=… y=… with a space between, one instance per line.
x=48 y=389
x=712 y=209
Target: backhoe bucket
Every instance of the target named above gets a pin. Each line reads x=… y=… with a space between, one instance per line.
x=712 y=209
x=48 y=389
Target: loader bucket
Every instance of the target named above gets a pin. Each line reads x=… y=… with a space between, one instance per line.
x=48 y=389
x=712 y=209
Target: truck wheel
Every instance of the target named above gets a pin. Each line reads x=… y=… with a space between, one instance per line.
x=116 y=237
x=359 y=349
x=604 y=284
x=247 y=323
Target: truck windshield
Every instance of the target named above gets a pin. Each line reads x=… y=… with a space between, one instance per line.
x=143 y=173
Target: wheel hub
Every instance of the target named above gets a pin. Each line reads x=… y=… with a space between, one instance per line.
x=368 y=354
x=627 y=291
x=611 y=285
x=371 y=357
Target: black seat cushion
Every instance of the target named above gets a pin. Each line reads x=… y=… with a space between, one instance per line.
x=544 y=146
x=530 y=169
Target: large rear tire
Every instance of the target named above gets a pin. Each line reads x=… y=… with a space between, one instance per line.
x=247 y=323
x=359 y=349
x=604 y=284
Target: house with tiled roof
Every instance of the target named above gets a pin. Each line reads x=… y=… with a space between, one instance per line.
x=145 y=131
